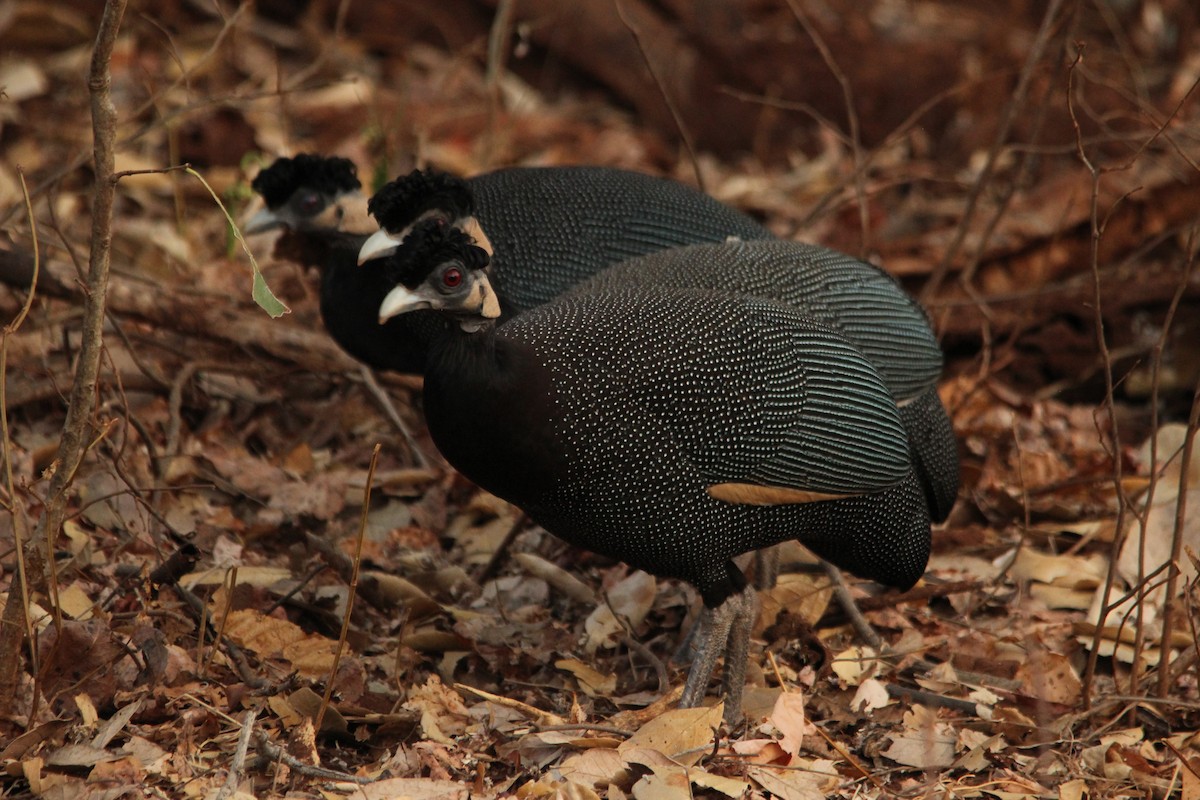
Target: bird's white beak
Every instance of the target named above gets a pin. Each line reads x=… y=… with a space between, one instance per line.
x=379 y=244
x=264 y=220
x=481 y=304
x=401 y=300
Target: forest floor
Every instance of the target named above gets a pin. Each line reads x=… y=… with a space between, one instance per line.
x=216 y=588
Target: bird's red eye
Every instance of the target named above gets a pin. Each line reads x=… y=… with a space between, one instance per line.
x=310 y=203
x=452 y=278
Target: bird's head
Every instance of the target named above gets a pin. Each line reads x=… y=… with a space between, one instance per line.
x=441 y=268
x=310 y=192
x=413 y=199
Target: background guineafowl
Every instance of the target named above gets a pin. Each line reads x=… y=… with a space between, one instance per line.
x=670 y=428
x=548 y=228
x=554 y=226
x=318 y=203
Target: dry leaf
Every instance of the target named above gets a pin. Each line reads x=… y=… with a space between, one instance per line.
x=789 y=719
x=871 y=694
x=1072 y=790
x=1050 y=677
x=811 y=781
x=593 y=682
x=409 y=789
x=925 y=743
x=595 y=767
x=631 y=600
x=801 y=594
x=852 y=664
x=557 y=577
x=680 y=734
x=310 y=655
x=443 y=713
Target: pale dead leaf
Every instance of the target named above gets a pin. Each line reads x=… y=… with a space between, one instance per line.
x=1050 y=677
x=730 y=787
x=665 y=783
x=1073 y=790
x=152 y=757
x=87 y=710
x=1095 y=758
x=22 y=79
x=977 y=745
x=1151 y=551
x=595 y=767
x=925 y=742
x=631 y=599
x=42 y=783
x=556 y=576
x=680 y=733
x=789 y=719
x=1076 y=572
x=80 y=755
x=1062 y=597
x=286 y=712
x=593 y=682
x=160 y=234
x=759 y=751
x=73 y=600
x=801 y=594
x=1191 y=779
x=813 y=783
x=443 y=713
x=306 y=704
x=854 y=663
x=115 y=724
x=409 y=789
x=871 y=694
x=943 y=678
x=251 y=576
x=536 y=714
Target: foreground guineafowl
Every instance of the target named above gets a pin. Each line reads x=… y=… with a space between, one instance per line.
x=553 y=227
x=673 y=429
x=548 y=228
x=859 y=300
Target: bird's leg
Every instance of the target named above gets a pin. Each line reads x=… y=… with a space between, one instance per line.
x=745 y=612
x=766 y=575
x=766 y=567
x=711 y=640
x=723 y=630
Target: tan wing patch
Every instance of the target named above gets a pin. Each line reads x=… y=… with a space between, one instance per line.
x=750 y=494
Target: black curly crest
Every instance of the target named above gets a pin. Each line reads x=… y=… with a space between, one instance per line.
x=326 y=174
x=403 y=200
x=432 y=243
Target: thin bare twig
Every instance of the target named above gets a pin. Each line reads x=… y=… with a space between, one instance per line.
x=238 y=763
x=841 y=590
x=1170 y=612
x=17 y=605
x=662 y=89
x=358 y=546
x=83 y=392
x=855 y=138
x=384 y=401
x=274 y=752
x=1036 y=51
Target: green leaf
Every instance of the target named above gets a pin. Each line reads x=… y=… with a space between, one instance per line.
x=260 y=291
